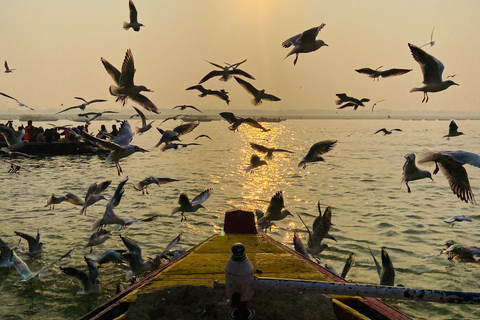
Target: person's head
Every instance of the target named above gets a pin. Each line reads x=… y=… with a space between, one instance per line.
x=103 y=128
x=29 y=122
x=114 y=127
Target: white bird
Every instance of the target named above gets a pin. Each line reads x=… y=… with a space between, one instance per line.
x=275 y=210
x=5 y=255
x=376 y=74
x=83 y=105
x=90 y=282
x=454 y=219
x=173 y=135
x=453 y=130
x=315 y=152
x=227 y=72
x=194 y=205
x=137 y=264
x=69 y=197
x=237 y=121
x=93 y=195
x=431 y=43
x=451 y=163
x=7 y=69
x=258 y=95
x=14 y=142
x=133 y=18
x=124 y=87
x=432 y=70
x=120 y=147
x=109 y=217
x=24 y=271
x=18 y=102
x=34 y=244
x=98 y=237
x=143 y=185
x=411 y=172
x=145 y=127
x=304 y=42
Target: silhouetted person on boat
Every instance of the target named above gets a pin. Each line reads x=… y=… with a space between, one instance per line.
x=102 y=134
x=114 y=130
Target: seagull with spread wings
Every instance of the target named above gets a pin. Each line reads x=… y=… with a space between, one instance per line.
x=93 y=195
x=143 y=184
x=411 y=172
x=385 y=131
x=124 y=87
x=432 y=70
x=376 y=74
x=453 y=130
x=183 y=107
x=90 y=282
x=193 y=206
x=255 y=162
x=18 y=102
x=7 y=69
x=83 y=105
x=222 y=94
x=34 y=244
x=133 y=18
x=350 y=101
x=173 y=135
x=275 y=210
x=258 y=95
x=315 y=152
x=227 y=72
x=237 y=121
x=145 y=127
x=268 y=151
x=14 y=142
x=304 y=42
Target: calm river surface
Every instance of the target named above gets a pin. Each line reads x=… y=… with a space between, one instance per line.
x=361 y=180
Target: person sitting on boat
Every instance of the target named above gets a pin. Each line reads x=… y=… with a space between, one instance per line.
x=114 y=130
x=103 y=133
x=40 y=135
x=29 y=131
x=48 y=135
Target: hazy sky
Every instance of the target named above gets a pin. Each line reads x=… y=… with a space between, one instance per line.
x=56 y=46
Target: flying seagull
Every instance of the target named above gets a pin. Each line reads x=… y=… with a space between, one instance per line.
x=7 y=69
x=268 y=151
x=351 y=102
x=143 y=184
x=321 y=228
x=14 y=142
x=94 y=115
x=173 y=145
x=124 y=87
x=411 y=172
x=451 y=163
x=83 y=105
x=145 y=127
x=453 y=130
x=454 y=219
x=226 y=73
x=386 y=272
x=304 y=42
x=34 y=244
x=237 y=121
x=133 y=18
x=173 y=135
x=203 y=136
x=93 y=194
x=431 y=43
x=432 y=70
x=120 y=147
x=193 y=206
x=171 y=118
x=275 y=210
x=183 y=107
x=137 y=264
x=255 y=162
x=385 y=131
x=18 y=102
x=315 y=152
x=376 y=103
x=376 y=74
x=222 y=94
x=90 y=282
x=258 y=95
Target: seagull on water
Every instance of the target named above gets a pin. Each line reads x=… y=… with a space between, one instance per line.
x=173 y=135
x=315 y=152
x=7 y=69
x=18 y=102
x=304 y=42
x=255 y=162
x=34 y=244
x=275 y=210
x=432 y=70
x=133 y=18
x=237 y=121
x=98 y=237
x=110 y=255
x=451 y=163
x=268 y=151
x=120 y=147
x=385 y=131
x=93 y=195
x=376 y=74
x=222 y=94
x=145 y=127
x=193 y=206
x=258 y=95
x=458 y=218
x=124 y=87
x=24 y=271
x=109 y=217
x=386 y=272
x=137 y=264
x=460 y=252
x=453 y=130
x=143 y=185
x=83 y=105
x=183 y=107
x=411 y=172
x=351 y=102
x=90 y=282
x=227 y=72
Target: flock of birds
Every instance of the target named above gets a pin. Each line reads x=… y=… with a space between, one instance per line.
x=124 y=88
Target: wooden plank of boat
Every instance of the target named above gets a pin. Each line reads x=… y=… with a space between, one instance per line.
x=206 y=262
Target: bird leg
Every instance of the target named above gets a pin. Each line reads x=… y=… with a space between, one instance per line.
x=408 y=187
x=119 y=169
x=183 y=218
x=296 y=58
x=436 y=168
x=425 y=97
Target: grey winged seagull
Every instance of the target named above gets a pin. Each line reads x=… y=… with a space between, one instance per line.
x=227 y=72
x=431 y=43
x=109 y=216
x=137 y=264
x=174 y=145
x=258 y=95
x=184 y=107
x=143 y=184
x=350 y=101
x=83 y=105
x=69 y=197
x=169 y=136
x=432 y=70
x=458 y=218
x=275 y=211
x=90 y=281
x=93 y=195
x=304 y=42
x=411 y=172
x=376 y=74
x=255 y=162
x=145 y=127
x=120 y=147
x=385 y=131
x=185 y=205
x=14 y=142
x=124 y=87
x=451 y=163
x=453 y=130
x=7 y=69
x=18 y=102
x=267 y=150
x=315 y=152
x=133 y=23
x=222 y=94
x=34 y=244
x=237 y=121
x=320 y=230
x=386 y=271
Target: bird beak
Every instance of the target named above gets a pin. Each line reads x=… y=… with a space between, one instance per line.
x=143 y=150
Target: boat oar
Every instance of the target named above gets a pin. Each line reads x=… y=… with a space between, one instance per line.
x=351 y=289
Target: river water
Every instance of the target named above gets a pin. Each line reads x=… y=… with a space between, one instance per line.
x=361 y=180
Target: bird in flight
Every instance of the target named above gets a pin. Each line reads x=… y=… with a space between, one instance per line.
x=133 y=18
x=237 y=121
x=431 y=43
x=275 y=210
x=7 y=69
x=258 y=95
x=315 y=152
x=173 y=135
x=183 y=107
x=411 y=172
x=432 y=70
x=18 y=102
x=226 y=72
x=351 y=102
x=453 y=130
x=376 y=103
x=255 y=162
x=145 y=127
x=94 y=115
x=304 y=42
x=90 y=282
x=222 y=94
x=124 y=87
x=385 y=131
x=376 y=74
x=83 y=105
x=268 y=151
x=193 y=206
